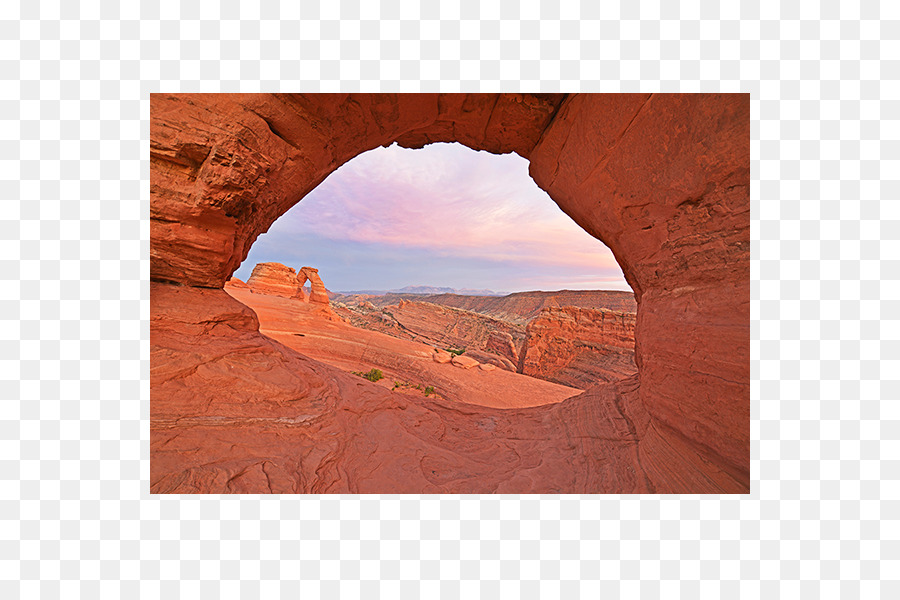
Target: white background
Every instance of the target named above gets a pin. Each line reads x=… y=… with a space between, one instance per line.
x=76 y=518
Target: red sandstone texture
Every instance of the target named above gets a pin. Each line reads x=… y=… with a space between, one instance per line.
x=233 y=411
x=234 y=282
x=302 y=327
x=274 y=279
x=521 y=307
x=441 y=326
x=580 y=347
x=662 y=179
x=577 y=347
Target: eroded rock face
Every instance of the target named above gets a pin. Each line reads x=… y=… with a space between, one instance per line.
x=232 y=411
x=662 y=179
x=522 y=307
x=443 y=326
x=236 y=283
x=580 y=347
x=441 y=356
x=492 y=359
x=274 y=279
x=225 y=166
x=464 y=362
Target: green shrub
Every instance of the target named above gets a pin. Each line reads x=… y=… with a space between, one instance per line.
x=455 y=352
x=429 y=390
x=373 y=375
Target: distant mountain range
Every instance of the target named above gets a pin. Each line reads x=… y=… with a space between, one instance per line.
x=426 y=290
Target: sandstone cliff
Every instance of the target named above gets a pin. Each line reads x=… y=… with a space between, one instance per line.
x=233 y=411
x=518 y=308
x=274 y=279
x=579 y=347
x=442 y=326
x=573 y=346
x=662 y=179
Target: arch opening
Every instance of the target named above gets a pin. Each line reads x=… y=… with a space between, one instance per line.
x=453 y=252
x=663 y=180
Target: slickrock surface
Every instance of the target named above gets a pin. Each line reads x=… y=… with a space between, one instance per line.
x=441 y=356
x=465 y=362
x=492 y=359
x=662 y=179
x=233 y=411
x=302 y=327
x=580 y=347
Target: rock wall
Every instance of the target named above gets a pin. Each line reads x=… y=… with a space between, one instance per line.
x=274 y=279
x=232 y=411
x=443 y=327
x=522 y=307
x=225 y=166
x=579 y=347
x=662 y=179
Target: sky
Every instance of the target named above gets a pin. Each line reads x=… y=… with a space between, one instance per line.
x=445 y=216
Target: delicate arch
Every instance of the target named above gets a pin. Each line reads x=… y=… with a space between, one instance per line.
x=663 y=180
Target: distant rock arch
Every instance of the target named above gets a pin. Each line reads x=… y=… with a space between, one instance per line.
x=317 y=292
x=662 y=179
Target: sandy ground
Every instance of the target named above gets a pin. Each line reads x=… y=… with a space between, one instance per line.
x=298 y=325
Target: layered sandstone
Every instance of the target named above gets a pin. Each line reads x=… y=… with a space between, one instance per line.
x=234 y=282
x=233 y=411
x=405 y=364
x=573 y=346
x=274 y=279
x=521 y=307
x=662 y=179
x=464 y=362
x=441 y=326
x=225 y=166
x=580 y=347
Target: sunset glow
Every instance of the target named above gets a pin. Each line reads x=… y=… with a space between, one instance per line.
x=444 y=215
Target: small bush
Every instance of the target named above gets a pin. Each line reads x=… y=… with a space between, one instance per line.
x=373 y=375
x=455 y=352
x=429 y=390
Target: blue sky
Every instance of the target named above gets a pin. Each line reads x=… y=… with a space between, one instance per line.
x=444 y=216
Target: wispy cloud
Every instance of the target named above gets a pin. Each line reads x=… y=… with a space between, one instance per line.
x=445 y=201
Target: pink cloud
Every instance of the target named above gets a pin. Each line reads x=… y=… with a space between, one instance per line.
x=447 y=199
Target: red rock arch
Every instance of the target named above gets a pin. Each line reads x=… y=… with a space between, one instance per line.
x=663 y=180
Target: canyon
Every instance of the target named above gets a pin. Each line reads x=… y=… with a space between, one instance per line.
x=662 y=179
x=518 y=308
x=585 y=345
